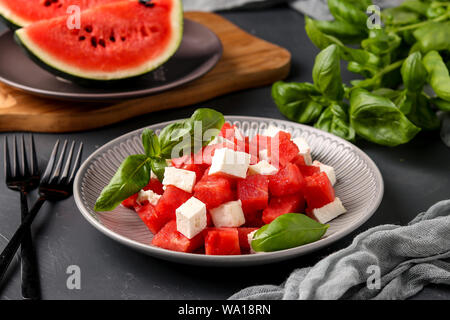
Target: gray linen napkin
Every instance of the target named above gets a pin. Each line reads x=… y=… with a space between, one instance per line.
x=408 y=257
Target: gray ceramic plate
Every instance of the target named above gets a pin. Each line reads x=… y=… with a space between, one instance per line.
x=359 y=186
x=199 y=52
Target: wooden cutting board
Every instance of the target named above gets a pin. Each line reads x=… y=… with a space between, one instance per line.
x=247 y=62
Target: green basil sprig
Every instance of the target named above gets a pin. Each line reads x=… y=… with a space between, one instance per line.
x=288 y=231
x=134 y=172
x=327 y=73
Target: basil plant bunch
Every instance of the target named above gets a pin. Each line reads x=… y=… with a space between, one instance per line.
x=395 y=61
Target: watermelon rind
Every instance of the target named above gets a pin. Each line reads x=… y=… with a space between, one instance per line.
x=12 y=21
x=59 y=68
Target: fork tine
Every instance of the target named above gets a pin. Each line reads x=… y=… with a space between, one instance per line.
x=16 y=159
x=34 y=164
x=57 y=170
x=76 y=164
x=6 y=162
x=68 y=162
x=23 y=160
x=51 y=162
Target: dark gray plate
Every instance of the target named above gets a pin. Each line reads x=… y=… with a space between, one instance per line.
x=199 y=52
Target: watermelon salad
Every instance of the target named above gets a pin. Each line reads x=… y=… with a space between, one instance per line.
x=236 y=195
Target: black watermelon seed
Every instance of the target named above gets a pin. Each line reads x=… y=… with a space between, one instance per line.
x=94 y=42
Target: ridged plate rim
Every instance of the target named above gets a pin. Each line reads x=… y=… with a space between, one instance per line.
x=242 y=260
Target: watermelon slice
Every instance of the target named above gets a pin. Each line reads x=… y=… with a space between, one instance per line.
x=20 y=13
x=169 y=238
x=222 y=241
x=116 y=41
x=243 y=238
x=281 y=149
x=171 y=199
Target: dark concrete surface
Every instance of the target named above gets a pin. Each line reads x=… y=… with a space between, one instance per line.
x=416 y=176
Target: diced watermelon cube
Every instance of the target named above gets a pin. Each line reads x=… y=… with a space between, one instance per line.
x=179 y=162
x=171 y=199
x=294 y=203
x=222 y=241
x=243 y=238
x=231 y=132
x=288 y=180
x=151 y=217
x=253 y=219
x=155 y=185
x=214 y=190
x=253 y=192
x=306 y=170
x=130 y=202
x=169 y=238
x=318 y=190
x=281 y=149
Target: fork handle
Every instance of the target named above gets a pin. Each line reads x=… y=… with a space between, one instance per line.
x=30 y=275
x=13 y=245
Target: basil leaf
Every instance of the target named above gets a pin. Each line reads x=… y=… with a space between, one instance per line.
x=132 y=175
x=416 y=106
x=342 y=30
x=295 y=101
x=150 y=142
x=398 y=16
x=433 y=36
x=335 y=120
x=413 y=72
x=441 y=104
x=327 y=73
x=288 y=231
x=391 y=94
x=345 y=10
x=438 y=74
x=416 y=6
x=182 y=134
x=158 y=166
x=378 y=119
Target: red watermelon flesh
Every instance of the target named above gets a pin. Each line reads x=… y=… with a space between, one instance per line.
x=288 y=180
x=155 y=185
x=281 y=205
x=25 y=12
x=243 y=238
x=253 y=219
x=116 y=41
x=152 y=219
x=253 y=192
x=318 y=190
x=169 y=238
x=281 y=149
x=222 y=241
x=214 y=190
x=130 y=202
x=171 y=199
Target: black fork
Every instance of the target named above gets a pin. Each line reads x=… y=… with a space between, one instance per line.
x=23 y=176
x=56 y=184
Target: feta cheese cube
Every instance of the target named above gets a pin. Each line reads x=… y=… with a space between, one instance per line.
x=262 y=167
x=180 y=178
x=329 y=211
x=264 y=155
x=148 y=195
x=304 y=149
x=233 y=163
x=250 y=239
x=228 y=215
x=272 y=131
x=191 y=217
x=327 y=169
